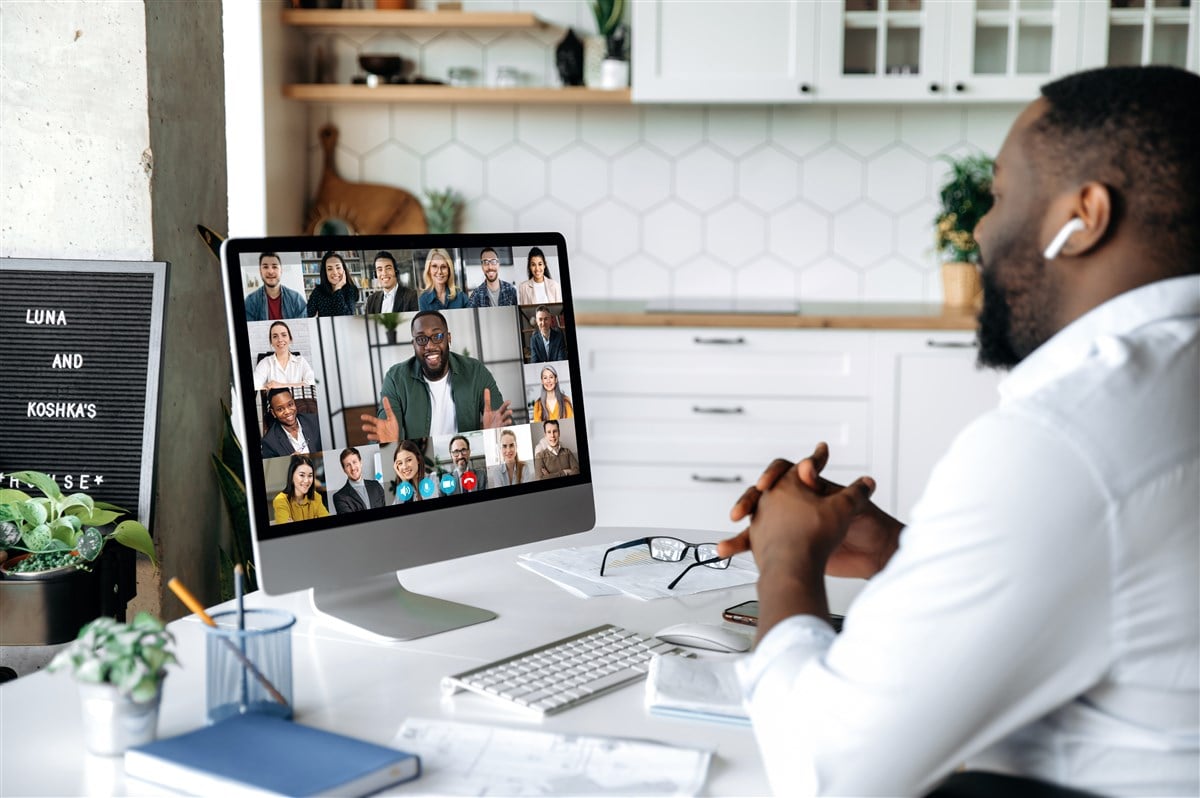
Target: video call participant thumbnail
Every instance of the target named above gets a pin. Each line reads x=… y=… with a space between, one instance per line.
x=467 y=479
x=336 y=294
x=539 y=289
x=492 y=292
x=441 y=286
x=272 y=300
x=394 y=298
x=413 y=480
x=420 y=399
x=282 y=369
x=551 y=402
x=357 y=493
x=554 y=460
x=547 y=343
x=299 y=500
x=290 y=430
x=511 y=470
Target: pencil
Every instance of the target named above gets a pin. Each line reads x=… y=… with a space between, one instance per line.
x=192 y=604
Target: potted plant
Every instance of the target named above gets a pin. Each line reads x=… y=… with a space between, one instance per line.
x=605 y=59
x=120 y=669
x=441 y=209
x=56 y=531
x=390 y=322
x=965 y=197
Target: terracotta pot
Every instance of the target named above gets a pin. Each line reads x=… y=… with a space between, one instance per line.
x=961 y=287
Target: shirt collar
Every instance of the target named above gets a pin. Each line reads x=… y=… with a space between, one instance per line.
x=1119 y=316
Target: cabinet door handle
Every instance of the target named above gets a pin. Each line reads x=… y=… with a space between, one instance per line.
x=722 y=480
x=951 y=344
x=719 y=411
x=934 y=88
x=960 y=87
x=805 y=88
x=719 y=341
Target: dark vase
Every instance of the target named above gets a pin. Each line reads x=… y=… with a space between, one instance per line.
x=568 y=56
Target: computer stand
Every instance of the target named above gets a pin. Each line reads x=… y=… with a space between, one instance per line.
x=381 y=608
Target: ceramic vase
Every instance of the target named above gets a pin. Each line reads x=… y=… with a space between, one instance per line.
x=113 y=722
x=961 y=287
x=594 y=50
x=614 y=73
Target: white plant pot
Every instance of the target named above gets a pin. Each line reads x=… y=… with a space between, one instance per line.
x=614 y=73
x=113 y=722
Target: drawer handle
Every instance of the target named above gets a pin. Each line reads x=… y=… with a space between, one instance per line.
x=951 y=344
x=719 y=411
x=721 y=480
x=719 y=341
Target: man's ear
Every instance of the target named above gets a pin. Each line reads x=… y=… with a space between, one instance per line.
x=1093 y=205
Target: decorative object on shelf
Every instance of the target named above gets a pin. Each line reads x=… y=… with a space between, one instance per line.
x=381 y=68
x=965 y=197
x=568 y=57
x=341 y=206
x=120 y=669
x=389 y=322
x=52 y=532
x=612 y=47
x=441 y=209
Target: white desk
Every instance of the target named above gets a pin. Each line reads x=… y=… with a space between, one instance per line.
x=367 y=689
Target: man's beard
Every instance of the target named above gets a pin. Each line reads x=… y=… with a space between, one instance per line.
x=431 y=375
x=1016 y=320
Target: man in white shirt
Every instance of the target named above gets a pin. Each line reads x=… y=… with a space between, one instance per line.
x=1039 y=616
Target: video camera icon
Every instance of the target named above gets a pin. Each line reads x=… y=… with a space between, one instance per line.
x=449 y=484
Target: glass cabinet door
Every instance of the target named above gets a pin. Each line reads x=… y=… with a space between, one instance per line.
x=1006 y=49
x=1133 y=32
x=882 y=49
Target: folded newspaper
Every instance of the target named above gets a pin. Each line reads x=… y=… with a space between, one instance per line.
x=696 y=689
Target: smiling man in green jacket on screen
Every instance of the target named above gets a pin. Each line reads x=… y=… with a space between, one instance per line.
x=436 y=392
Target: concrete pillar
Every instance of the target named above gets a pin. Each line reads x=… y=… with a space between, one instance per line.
x=112 y=146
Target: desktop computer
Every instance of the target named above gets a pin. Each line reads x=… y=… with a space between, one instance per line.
x=403 y=400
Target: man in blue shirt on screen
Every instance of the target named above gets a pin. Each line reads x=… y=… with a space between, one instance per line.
x=272 y=300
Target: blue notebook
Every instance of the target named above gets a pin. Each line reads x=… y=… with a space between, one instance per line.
x=258 y=754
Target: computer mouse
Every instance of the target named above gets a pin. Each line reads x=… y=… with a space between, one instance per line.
x=708 y=636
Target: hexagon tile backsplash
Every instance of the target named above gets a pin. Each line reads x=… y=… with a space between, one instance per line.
x=819 y=203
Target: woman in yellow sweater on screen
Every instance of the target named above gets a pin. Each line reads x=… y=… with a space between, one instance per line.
x=553 y=403
x=299 y=501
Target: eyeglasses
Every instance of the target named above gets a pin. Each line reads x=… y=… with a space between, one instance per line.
x=490 y=261
x=666 y=549
x=423 y=340
x=459 y=451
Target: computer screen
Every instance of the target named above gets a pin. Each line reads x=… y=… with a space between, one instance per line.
x=403 y=400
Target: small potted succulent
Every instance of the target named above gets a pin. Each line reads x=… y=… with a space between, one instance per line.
x=965 y=197
x=120 y=668
x=55 y=531
x=612 y=71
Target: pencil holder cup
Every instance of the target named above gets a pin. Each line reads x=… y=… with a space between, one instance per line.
x=249 y=669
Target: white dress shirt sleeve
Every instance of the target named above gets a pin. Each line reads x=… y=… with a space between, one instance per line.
x=992 y=613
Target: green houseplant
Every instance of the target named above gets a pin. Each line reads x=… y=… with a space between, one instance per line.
x=965 y=197
x=442 y=207
x=57 y=530
x=606 y=60
x=120 y=668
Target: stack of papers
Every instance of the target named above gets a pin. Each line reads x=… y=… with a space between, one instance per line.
x=632 y=572
x=472 y=759
x=696 y=689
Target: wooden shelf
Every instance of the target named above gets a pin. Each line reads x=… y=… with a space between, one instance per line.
x=371 y=18
x=340 y=93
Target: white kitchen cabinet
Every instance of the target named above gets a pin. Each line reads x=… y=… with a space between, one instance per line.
x=1124 y=33
x=681 y=421
x=751 y=51
x=958 y=50
x=926 y=390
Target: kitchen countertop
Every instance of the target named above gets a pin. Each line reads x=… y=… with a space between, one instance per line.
x=772 y=314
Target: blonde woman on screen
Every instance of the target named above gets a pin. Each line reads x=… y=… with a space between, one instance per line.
x=441 y=287
x=511 y=470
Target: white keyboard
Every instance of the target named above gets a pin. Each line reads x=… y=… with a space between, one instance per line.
x=564 y=673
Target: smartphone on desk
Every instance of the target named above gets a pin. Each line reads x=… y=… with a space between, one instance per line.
x=747 y=613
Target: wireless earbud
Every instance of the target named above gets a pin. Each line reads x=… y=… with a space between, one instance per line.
x=1059 y=241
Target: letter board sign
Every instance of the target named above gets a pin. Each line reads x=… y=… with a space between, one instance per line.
x=80 y=349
